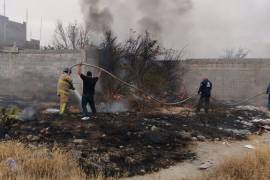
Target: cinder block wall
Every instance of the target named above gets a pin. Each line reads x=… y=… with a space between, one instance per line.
x=33 y=75
x=233 y=80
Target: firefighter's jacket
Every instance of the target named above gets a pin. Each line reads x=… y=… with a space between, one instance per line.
x=64 y=85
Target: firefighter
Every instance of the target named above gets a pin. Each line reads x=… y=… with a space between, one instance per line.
x=63 y=89
x=268 y=92
x=205 y=93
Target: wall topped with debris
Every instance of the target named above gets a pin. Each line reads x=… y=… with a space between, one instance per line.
x=31 y=76
x=233 y=80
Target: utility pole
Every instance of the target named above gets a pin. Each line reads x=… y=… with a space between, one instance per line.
x=40 y=35
x=27 y=25
x=4 y=7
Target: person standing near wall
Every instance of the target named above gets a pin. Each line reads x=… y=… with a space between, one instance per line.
x=89 y=83
x=268 y=92
x=205 y=92
x=63 y=89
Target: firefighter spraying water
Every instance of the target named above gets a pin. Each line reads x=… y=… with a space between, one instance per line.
x=63 y=89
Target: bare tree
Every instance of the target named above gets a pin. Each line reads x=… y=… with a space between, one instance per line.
x=140 y=53
x=60 y=36
x=84 y=37
x=172 y=66
x=72 y=36
x=235 y=54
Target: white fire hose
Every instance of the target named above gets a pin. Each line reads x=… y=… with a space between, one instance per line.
x=134 y=87
x=243 y=101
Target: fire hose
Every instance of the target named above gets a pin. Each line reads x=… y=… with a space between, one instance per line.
x=244 y=101
x=134 y=87
x=157 y=100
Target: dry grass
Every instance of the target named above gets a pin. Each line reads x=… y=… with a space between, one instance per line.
x=252 y=166
x=36 y=164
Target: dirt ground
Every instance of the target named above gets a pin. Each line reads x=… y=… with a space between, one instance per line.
x=129 y=144
x=209 y=151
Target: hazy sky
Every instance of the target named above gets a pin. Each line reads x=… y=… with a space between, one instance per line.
x=208 y=28
x=49 y=10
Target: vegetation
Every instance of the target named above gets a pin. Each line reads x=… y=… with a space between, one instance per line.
x=141 y=61
x=251 y=166
x=235 y=54
x=19 y=162
x=72 y=36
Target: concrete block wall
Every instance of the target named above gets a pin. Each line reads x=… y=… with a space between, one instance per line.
x=33 y=76
x=233 y=80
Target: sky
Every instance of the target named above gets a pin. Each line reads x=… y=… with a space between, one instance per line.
x=210 y=27
x=50 y=11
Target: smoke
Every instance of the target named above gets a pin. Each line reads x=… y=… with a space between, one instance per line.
x=112 y=107
x=208 y=27
x=28 y=114
x=96 y=17
x=155 y=14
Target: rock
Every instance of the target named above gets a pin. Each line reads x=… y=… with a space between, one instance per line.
x=247 y=123
x=154 y=128
x=35 y=138
x=129 y=133
x=79 y=141
x=104 y=135
x=266 y=127
x=157 y=137
x=216 y=139
x=32 y=138
x=44 y=130
x=194 y=139
x=185 y=135
x=32 y=146
x=76 y=154
x=7 y=137
x=201 y=138
x=142 y=171
x=107 y=158
x=129 y=160
x=206 y=165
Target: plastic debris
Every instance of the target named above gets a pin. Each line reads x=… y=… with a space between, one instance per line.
x=52 y=111
x=11 y=163
x=249 y=147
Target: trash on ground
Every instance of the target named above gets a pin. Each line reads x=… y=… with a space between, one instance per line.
x=249 y=147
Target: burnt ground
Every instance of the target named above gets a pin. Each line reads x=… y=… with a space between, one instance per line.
x=128 y=144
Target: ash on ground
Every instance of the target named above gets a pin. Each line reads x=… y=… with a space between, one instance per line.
x=127 y=144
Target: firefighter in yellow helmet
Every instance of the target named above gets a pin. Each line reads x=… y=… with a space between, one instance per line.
x=63 y=89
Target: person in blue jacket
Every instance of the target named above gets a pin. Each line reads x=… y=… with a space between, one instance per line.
x=205 y=93
x=268 y=92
